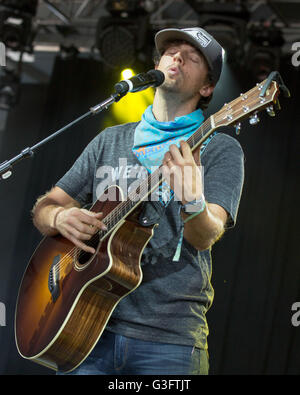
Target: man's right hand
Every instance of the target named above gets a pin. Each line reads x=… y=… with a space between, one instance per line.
x=77 y=224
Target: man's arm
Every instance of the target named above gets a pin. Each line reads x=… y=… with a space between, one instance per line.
x=47 y=208
x=203 y=230
x=184 y=177
x=57 y=212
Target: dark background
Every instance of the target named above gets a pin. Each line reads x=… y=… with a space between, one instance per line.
x=256 y=271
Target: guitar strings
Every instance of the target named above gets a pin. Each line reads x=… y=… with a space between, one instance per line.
x=112 y=218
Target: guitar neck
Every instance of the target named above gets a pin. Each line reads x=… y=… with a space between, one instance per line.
x=201 y=134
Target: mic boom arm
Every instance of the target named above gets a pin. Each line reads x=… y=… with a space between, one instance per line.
x=142 y=81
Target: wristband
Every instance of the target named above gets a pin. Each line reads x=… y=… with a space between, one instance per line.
x=195 y=214
x=195 y=206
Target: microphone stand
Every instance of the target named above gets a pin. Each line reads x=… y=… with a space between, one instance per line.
x=6 y=166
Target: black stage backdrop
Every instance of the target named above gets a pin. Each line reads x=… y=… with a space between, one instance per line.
x=256 y=271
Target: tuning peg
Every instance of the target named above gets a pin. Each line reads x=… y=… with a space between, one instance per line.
x=270 y=111
x=254 y=119
x=237 y=127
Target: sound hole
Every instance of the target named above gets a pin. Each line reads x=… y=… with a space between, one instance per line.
x=84 y=257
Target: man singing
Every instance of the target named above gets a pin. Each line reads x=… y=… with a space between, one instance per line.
x=161 y=327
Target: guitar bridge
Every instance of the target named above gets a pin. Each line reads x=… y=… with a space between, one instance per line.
x=53 y=279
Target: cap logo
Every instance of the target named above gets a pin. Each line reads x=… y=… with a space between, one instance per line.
x=203 y=38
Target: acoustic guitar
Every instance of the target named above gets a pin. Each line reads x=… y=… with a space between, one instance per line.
x=67 y=296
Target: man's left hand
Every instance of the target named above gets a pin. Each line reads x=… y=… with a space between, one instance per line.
x=182 y=173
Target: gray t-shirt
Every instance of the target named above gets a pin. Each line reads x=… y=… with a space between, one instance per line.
x=171 y=302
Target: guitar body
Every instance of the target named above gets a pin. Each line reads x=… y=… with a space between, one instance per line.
x=67 y=296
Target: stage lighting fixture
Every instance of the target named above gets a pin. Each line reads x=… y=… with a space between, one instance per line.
x=9 y=90
x=122 y=35
x=28 y=7
x=116 y=44
x=16 y=24
x=264 y=51
x=262 y=61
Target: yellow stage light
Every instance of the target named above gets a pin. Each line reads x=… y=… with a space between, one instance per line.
x=131 y=107
x=126 y=74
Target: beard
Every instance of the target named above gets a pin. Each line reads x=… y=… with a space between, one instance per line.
x=172 y=90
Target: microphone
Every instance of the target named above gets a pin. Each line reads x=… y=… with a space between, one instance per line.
x=140 y=82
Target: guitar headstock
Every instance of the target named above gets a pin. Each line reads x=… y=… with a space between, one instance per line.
x=247 y=105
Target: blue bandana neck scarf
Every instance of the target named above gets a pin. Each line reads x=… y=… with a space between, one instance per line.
x=152 y=138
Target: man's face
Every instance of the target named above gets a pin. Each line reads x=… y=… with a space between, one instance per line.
x=185 y=70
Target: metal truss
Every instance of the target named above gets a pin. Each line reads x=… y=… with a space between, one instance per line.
x=74 y=22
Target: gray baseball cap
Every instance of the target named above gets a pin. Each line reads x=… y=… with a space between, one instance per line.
x=199 y=38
